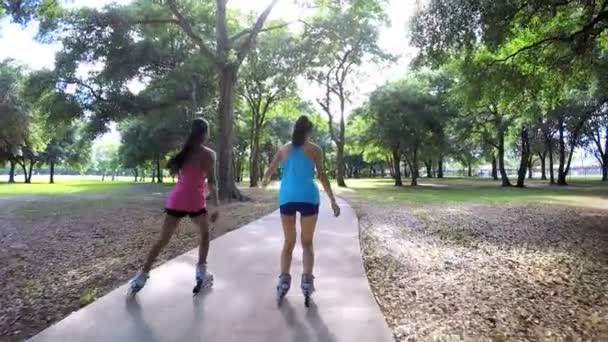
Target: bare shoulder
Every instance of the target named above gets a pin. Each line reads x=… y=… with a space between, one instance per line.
x=284 y=150
x=314 y=148
x=209 y=152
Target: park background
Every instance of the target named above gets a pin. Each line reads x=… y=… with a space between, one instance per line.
x=470 y=136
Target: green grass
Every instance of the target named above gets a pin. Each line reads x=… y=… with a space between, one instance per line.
x=58 y=188
x=88 y=296
x=65 y=186
x=586 y=193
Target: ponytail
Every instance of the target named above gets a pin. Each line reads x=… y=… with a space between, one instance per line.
x=301 y=130
x=197 y=136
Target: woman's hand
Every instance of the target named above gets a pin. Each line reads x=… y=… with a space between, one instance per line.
x=214 y=216
x=335 y=208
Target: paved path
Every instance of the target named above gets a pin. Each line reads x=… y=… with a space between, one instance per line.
x=241 y=306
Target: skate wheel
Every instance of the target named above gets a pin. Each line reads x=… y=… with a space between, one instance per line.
x=197 y=287
x=131 y=292
x=200 y=285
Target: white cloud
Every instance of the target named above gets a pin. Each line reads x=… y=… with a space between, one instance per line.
x=18 y=42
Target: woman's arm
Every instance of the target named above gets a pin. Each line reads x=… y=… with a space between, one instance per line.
x=272 y=168
x=212 y=180
x=325 y=182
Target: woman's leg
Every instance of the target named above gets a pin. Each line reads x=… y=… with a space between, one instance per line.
x=169 y=227
x=308 y=232
x=289 y=242
x=202 y=222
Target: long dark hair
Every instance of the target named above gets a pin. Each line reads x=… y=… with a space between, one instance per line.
x=301 y=130
x=198 y=134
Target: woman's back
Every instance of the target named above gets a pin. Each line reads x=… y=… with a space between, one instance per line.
x=298 y=173
x=191 y=187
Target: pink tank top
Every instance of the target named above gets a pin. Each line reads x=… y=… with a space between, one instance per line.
x=189 y=192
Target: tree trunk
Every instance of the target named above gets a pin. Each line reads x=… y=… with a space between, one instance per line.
x=11 y=172
x=254 y=165
x=530 y=167
x=103 y=175
x=523 y=164
x=24 y=172
x=113 y=175
x=551 y=172
x=414 y=166
x=501 y=157
x=153 y=176
x=407 y=170
x=227 y=82
x=605 y=163
x=136 y=174
x=429 y=169
x=494 y=167
x=29 y=172
x=561 y=175
x=397 y=167
x=341 y=165
x=52 y=172
x=159 y=171
x=440 y=167
x=469 y=169
x=543 y=165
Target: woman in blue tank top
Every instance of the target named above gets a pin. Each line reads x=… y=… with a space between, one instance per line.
x=299 y=194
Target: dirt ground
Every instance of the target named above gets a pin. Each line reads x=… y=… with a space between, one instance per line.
x=56 y=251
x=501 y=272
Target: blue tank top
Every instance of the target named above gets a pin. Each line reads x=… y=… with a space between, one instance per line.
x=298 y=179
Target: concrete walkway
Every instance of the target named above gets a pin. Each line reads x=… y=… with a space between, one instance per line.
x=241 y=306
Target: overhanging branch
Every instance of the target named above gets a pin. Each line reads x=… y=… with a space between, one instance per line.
x=237 y=36
x=187 y=28
x=246 y=46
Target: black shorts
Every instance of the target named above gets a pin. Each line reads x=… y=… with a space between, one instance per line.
x=181 y=214
x=305 y=209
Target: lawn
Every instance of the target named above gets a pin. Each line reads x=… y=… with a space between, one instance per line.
x=459 y=190
x=69 y=185
x=467 y=260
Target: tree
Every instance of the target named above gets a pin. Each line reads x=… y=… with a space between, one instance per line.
x=596 y=134
x=269 y=76
x=14 y=114
x=113 y=31
x=105 y=156
x=345 y=35
x=58 y=116
x=558 y=31
x=406 y=117
x=490 y=100
x=229 y=54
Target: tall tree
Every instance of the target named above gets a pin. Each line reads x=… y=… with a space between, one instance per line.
x=207 y=30
x=15 y=115
x=345 y=34
x=596 y=134
x=269 y=76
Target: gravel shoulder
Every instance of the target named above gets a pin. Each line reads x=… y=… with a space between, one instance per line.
x=59 y=252
x=478 y=272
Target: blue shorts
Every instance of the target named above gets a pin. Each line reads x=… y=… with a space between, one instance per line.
x=305 y=209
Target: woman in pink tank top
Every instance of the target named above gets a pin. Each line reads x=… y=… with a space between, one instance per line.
x=194 y=166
